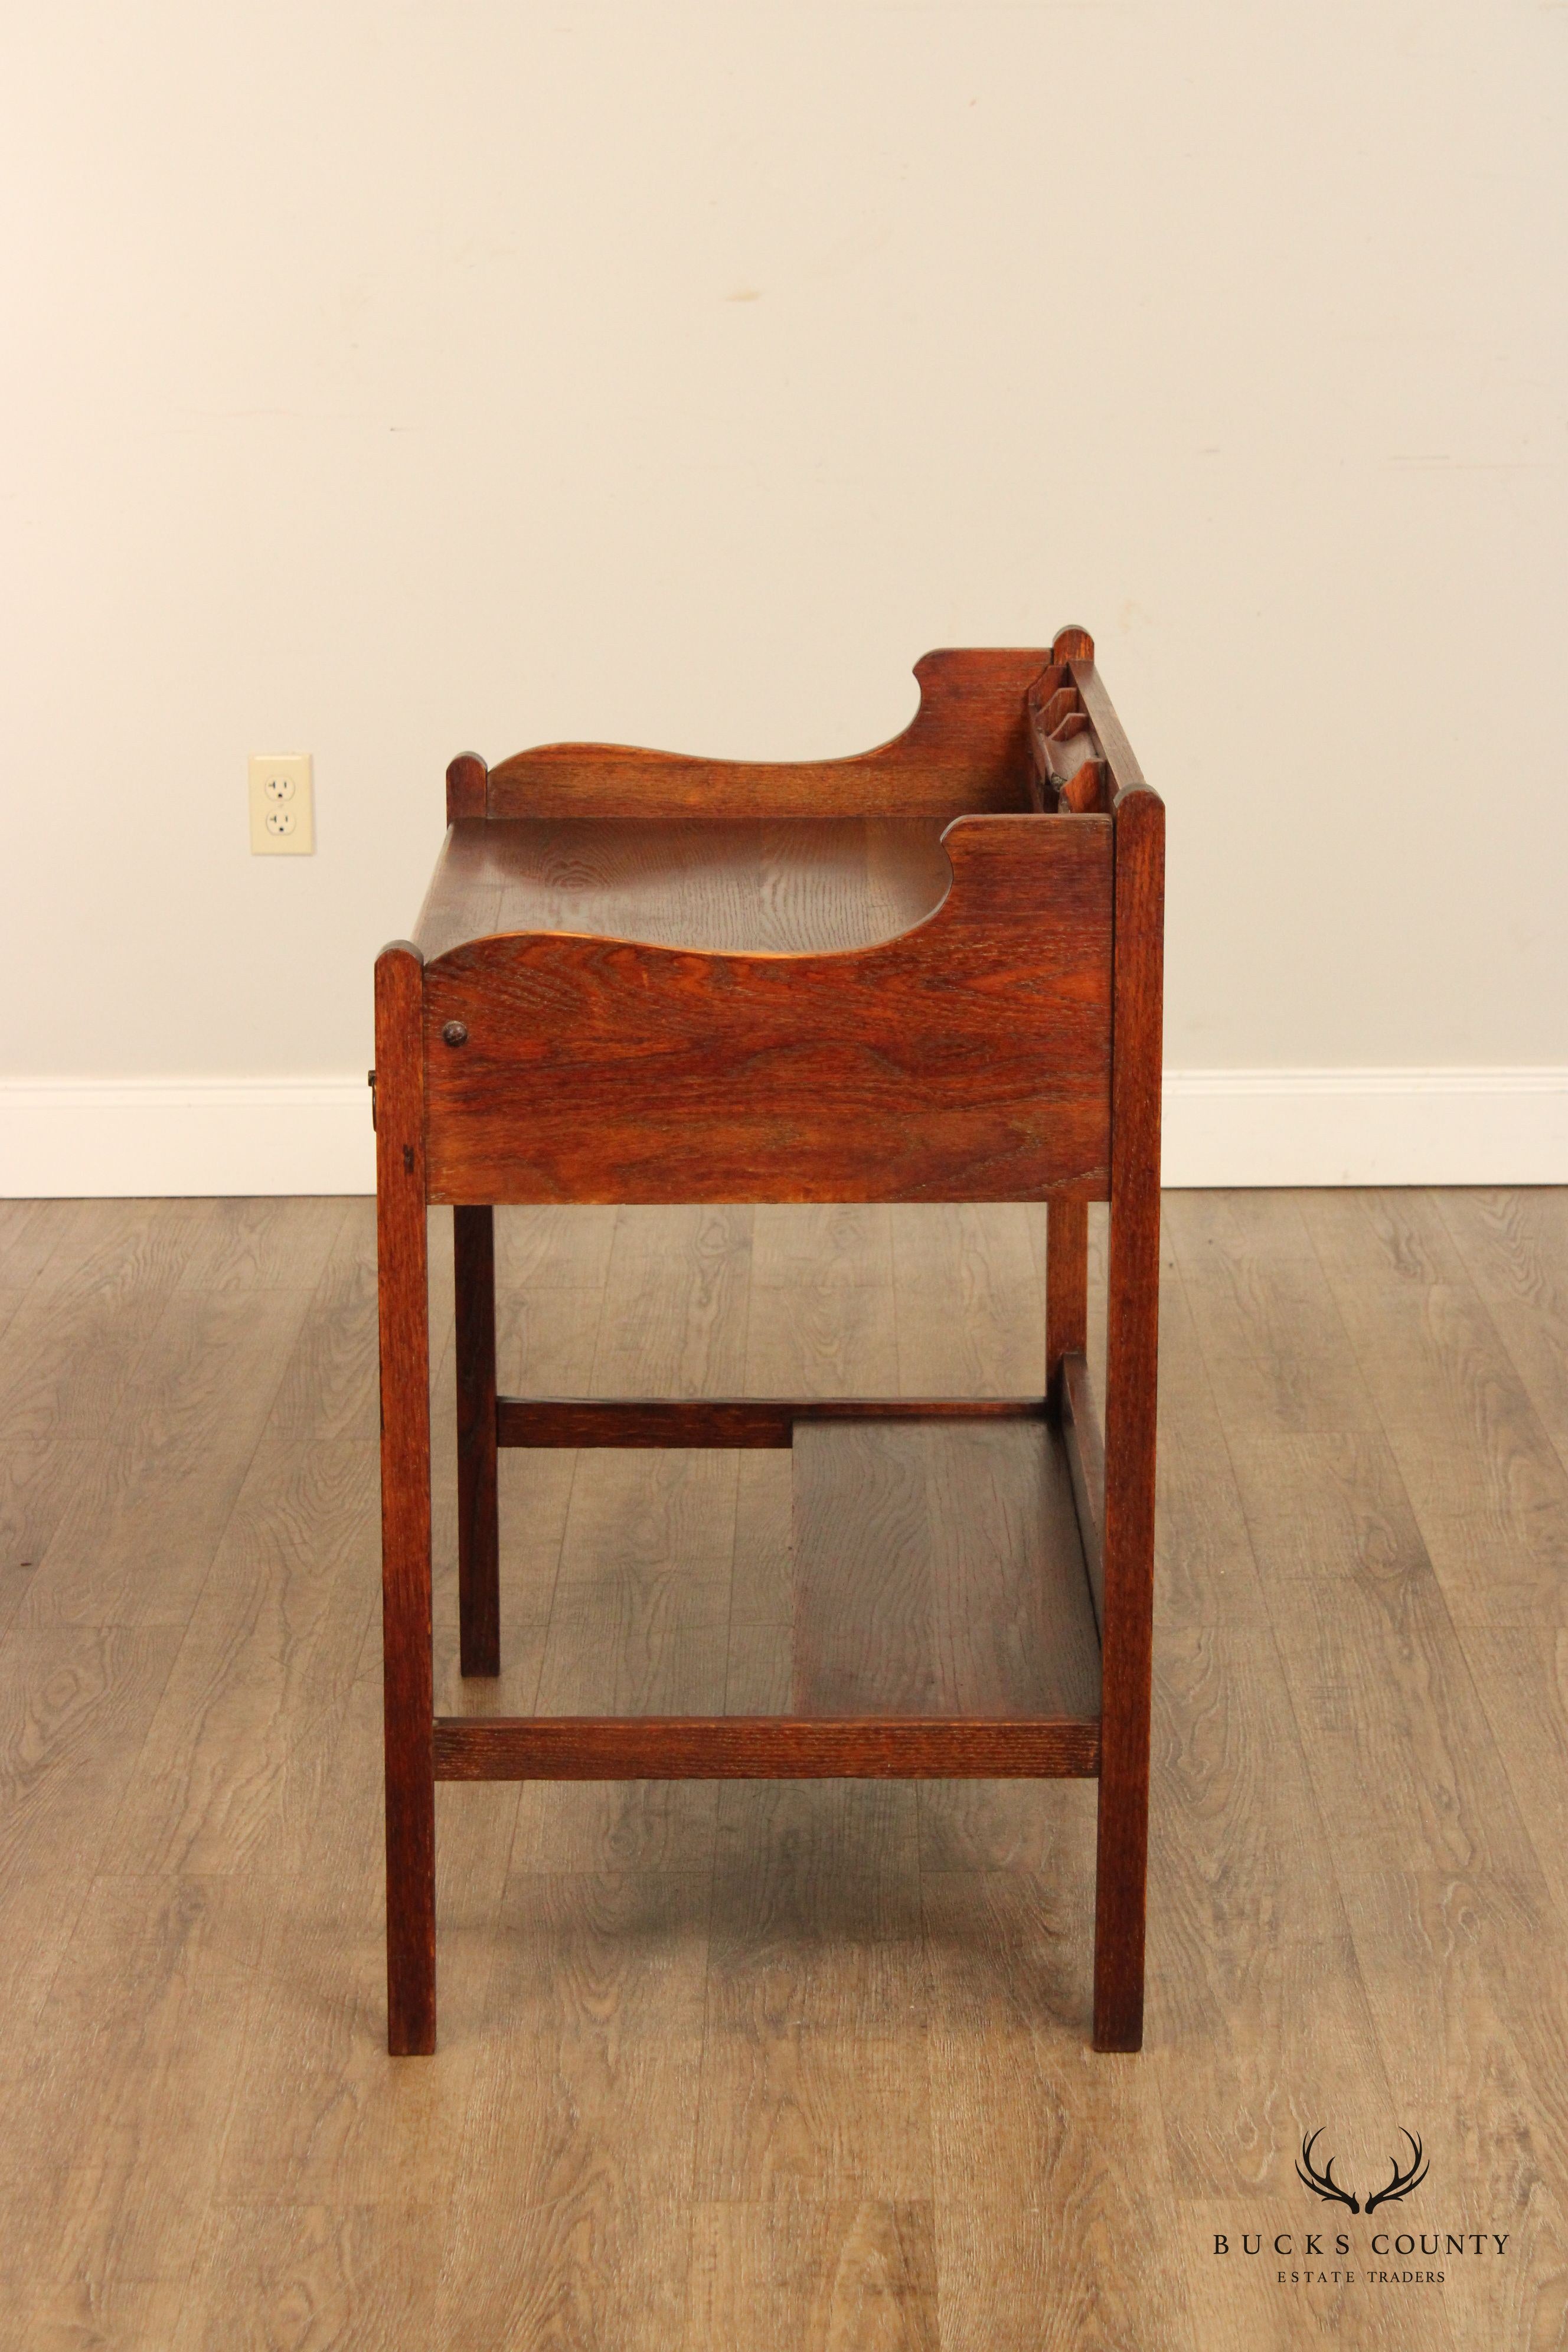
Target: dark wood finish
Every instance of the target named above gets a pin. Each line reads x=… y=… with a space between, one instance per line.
x=1126 y=775
x=479 y=1540
x=1085 y=1462
x=815 y=994
x=937 y=1571
x=1081 y=788
x=1049 y=701
x=599 y=1071
x=729 y=885
x=1132 y=1349
x=646 y=1421
x=1072 y=762
x=466 y=782
x=409 y=1698
x=757 y=1422
x=761 y=1747
x=1066 y=772
x=1066 y=1290
x=964 y=751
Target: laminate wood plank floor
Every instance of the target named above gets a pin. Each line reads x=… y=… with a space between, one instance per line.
x=781 y=2064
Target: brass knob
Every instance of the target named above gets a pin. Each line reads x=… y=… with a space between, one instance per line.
x=455 y=1033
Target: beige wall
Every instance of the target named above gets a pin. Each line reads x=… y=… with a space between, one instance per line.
x=387 y=379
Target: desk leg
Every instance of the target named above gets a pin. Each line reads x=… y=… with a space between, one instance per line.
x=478 y=1555
x=1066 y=1291
x=1132 y=1349
x=401 y=1263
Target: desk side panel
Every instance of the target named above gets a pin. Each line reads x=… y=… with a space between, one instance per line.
x=969 y=1059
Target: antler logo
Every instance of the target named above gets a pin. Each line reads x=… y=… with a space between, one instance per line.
x=1323 y=2184
x=1403 y=2182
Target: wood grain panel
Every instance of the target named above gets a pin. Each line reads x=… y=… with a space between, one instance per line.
x=30 y=1233
x=761 y=1589
x=639 y=1624
x=329 y=1387
x=402 y=1243
x=819 y=886
x=353 y=2274
x=756 y=1421
x=140 y=2040
x=241 y=1751
x=1066 y=1291
x=74 y=1704
x=164 y=1477
x=593 y=1071
x=1126 y=775
x=761 y=1747
x=818 y=2274
x=271 y=1244
x=78 y=1334
x=324 y=2116
x=821 y=1316
x=1126 y=1593
x=1205 y=1572
x=1483 y=1477
x=938 y=1571
x=474 y=1351
x=570 y=2221
x=965 y=749
x=1256 y=1968
x=1085 y=1450
x=813 y=2070
x=1076 y=2258
x=1521 y=1679
x=1514 y=1247
x=1273 y=1338
x=966 y=1301
x=1454 y=1965
x=677 y=1290
x=1383 y=1696
x=637 y=1627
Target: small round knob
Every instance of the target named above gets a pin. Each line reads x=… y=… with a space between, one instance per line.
x=455 y=1033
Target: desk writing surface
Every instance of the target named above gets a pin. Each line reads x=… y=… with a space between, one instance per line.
x=794 y=887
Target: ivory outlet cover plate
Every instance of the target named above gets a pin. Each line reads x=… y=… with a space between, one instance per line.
x=282 y=805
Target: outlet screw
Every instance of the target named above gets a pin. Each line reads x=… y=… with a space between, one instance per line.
x=455 y=1033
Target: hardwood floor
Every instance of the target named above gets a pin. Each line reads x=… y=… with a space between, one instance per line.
x=779 y=2064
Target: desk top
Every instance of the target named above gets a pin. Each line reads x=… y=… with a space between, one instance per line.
x=730 y=885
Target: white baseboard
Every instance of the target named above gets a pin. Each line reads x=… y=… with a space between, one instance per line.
x=1366 y=1127
x=124 y=1137
x=129 y=1137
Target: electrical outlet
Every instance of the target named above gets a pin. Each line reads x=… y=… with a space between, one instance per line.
x=282 y=805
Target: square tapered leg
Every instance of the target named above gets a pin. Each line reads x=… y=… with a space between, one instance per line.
x=478 y=1558
x=408 y=1681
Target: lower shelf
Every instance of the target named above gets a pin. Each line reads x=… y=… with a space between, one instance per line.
x=939 y=1572
x=943 y=1629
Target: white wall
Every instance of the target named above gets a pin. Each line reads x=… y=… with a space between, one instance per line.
x=384 y=380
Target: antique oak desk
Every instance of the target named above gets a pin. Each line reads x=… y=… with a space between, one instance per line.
x=929 y=974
